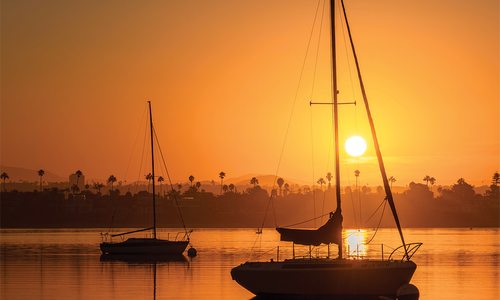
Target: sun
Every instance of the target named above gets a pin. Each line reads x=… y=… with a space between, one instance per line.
x=355 y=146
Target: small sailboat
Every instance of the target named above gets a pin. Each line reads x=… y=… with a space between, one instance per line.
x=149 y=245
x=332 y=278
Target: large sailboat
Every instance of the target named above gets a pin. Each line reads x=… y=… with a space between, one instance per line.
x=149 y=245
x=340 y=277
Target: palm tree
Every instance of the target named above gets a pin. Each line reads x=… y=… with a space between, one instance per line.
x=148 y=178
x=432 y=181
x=225 y=188
x=197 y=185
x=160 y=181
x=41 y=172
x=191 y=179
x=392 y=180
x=221 y=176
x=98 y=186
x=231 y=187
x=321 y=181
x=427 y=179
x=78 y=174
x=111 y=180
x=4 y=176
x=254 y=181
x=280 y=183
x=287 y=188
x=329 y=178
x=496 y=179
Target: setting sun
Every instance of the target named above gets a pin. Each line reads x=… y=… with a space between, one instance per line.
x=355 y=146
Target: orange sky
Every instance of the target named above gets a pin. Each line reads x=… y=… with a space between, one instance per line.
x=75 y=76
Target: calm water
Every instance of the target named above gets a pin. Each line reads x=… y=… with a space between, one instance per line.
x=66 y=264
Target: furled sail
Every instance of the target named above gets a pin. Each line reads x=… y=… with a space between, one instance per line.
x=330 y=232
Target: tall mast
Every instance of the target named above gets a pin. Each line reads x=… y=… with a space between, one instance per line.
x=335 y=117
x=387 y=187
x=152 y=168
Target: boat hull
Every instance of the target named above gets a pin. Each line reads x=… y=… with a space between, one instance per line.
x=145 y=246
x=329 y=278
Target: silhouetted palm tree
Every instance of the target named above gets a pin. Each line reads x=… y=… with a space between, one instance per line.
x=225 y=188
x=111 y=180
x=197 y=185
x=231 y=187
x=98 y=186
x=392 y=180
x=148 y=177
x=254 y=181
x=329 y=178
x=432 y=181
x=286 y=186
x=160 y=182
x=280 y=183
x=41 y=172
x=356 y=174
x=4 y=176
x=427 y=179
x=221 y=176
x=495 y=179
x=321 y=181
x=191 y=179
x=78 y=174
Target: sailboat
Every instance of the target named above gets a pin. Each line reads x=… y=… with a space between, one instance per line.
x=148 y=246
x=332 y=278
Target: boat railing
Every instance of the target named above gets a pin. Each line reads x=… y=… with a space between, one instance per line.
x=179 y=236
x=411 y=249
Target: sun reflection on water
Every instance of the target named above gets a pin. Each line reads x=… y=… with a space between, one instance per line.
x=355 y=241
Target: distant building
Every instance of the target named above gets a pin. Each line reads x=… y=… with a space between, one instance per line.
x=74 y=180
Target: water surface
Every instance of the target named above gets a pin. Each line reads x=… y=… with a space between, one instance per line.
x=66 y=264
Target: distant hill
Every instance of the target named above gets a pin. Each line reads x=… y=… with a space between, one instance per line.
x=22 y=174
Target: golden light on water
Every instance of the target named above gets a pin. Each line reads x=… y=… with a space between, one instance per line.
x=355 y=241
x=355 y=146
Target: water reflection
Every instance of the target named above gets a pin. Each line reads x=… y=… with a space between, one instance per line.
x=145 y=261
x=66 y=264
x=355 y=241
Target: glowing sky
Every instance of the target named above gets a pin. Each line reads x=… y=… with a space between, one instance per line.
x=222 y=75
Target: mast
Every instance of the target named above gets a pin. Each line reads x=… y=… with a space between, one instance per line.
x=387 y=187
x=335 y=117
x=152 y=168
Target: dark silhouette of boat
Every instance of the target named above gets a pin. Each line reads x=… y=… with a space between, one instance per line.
x=141 y=246
x=326 y=277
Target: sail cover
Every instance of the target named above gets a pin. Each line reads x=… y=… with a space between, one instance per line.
x=330 y=232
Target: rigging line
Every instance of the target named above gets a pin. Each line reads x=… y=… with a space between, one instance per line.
x=346 y=51
x=361 y=223
x=135 y=141
x=312 y=162
x=142 y=153
x=297 y=91
x=356 y=127
x=259 y=236
x=378 y=225
x=375 y=211
x=171 y=185
x=317 y=48
x=387 y=188
x=310 y=107
x=353 y=209
x=306 y=221
x=293 y=107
